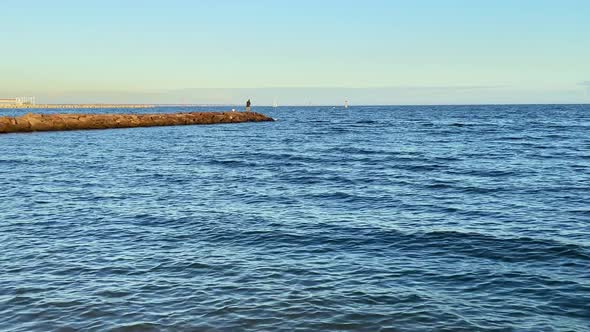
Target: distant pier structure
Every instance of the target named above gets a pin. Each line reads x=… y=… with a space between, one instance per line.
x=17 y=101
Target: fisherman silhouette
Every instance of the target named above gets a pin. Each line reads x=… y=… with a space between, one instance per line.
x=248 y=105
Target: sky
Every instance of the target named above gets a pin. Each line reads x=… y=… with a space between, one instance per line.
x=296 y=52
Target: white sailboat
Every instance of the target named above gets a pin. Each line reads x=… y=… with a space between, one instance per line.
x=274 y=103
x=345 y=103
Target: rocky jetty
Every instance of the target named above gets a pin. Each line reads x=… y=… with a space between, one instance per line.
x=52 y=122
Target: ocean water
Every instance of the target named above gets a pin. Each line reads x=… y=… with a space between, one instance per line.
x=431 y=218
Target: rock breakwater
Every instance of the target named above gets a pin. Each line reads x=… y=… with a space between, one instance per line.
x=54 y=122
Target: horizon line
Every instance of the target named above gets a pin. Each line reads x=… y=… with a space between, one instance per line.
x=295 y=105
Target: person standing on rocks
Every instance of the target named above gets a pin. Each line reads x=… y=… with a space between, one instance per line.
x=248 y=106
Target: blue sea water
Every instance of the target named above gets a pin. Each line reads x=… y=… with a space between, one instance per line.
x=415 y=218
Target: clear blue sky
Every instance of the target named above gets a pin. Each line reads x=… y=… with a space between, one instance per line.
x=376 y=51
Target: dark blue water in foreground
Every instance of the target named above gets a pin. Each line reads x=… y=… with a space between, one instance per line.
x=454 y=218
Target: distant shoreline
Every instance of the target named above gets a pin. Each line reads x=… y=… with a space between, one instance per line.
x=130 y=106
x=37 y=106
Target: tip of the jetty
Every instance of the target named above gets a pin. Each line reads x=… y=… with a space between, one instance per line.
x=53 y=122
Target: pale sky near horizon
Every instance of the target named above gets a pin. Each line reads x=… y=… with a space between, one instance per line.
x=220 y=51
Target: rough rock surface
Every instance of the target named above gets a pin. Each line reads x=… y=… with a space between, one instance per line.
x=52 y=122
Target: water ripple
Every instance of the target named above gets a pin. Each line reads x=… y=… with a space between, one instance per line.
x=446 y=218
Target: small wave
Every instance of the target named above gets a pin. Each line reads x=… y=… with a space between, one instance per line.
x=367 y=122
x=136 y=327
x=507 y=249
